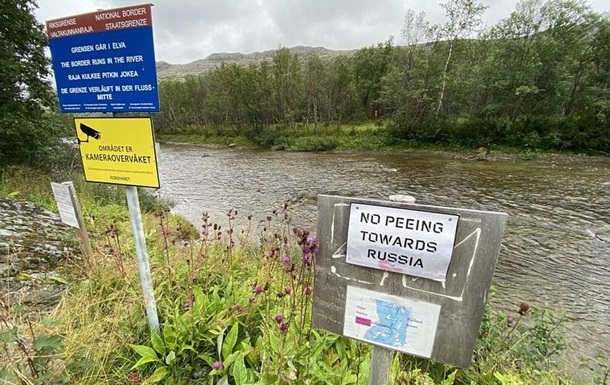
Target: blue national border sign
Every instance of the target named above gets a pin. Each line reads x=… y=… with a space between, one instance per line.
x=105 y=61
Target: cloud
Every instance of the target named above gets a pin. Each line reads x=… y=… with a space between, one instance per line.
x=335 y=24
x=187 y=30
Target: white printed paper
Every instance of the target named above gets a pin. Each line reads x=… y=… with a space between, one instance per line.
x=396 y=323
x=64 y=204
x=410 y=242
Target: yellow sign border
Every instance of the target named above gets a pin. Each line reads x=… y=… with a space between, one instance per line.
x=126 y=143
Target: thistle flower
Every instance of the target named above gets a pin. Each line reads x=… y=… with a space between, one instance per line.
x=285 y=259
x=309 y=245
x=510 y=320
x=287 y=290
x=307 y=291
x=523 y=308
x=283 y=327
x=306 y=261
x=236 y=308
x=314 y=244
x=279 y=318
x=217 y=365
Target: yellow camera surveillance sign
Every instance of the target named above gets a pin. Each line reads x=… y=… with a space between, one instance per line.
x=118 y=151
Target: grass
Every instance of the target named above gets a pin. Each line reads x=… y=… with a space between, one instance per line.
x=297 y=138
x=235 y=307
x=23 y=183
x=100 y=202
x=324 y=137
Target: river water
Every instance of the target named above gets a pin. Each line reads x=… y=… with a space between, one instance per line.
x=556 y=248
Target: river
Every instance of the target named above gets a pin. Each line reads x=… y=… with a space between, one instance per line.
x=556 y=248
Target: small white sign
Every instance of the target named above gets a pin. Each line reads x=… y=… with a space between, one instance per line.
x=403 y=241
x=393 y=322
x=64 y=204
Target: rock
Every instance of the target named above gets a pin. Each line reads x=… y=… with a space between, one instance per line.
x=33 y=242
x=402 y=198
x=482 y=153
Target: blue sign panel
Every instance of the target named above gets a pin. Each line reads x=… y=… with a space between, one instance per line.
x=105 y=61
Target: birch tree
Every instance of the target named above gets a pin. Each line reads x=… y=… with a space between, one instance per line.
x=463 y=17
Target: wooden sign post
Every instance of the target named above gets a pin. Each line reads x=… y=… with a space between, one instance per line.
x=70 y=214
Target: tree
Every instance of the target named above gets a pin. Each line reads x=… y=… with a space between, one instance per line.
x=28 y=136
x=288 y=80
x=315 y=83
x=370 y=66
x=263 y=105
x=463 y=17
x=342 y=94
x=599 y=90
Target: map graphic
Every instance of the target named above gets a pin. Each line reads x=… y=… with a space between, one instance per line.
x=397 y=323
x=392 y=327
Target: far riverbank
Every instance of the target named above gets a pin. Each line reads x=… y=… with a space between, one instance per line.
x=370 y=138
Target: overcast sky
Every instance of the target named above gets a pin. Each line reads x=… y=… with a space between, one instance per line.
x=187 y=30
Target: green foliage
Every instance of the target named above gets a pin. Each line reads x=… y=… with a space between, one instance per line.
x=519 y=348
x=98 y=200
x=533 y=339
x=236 y=311
x=30 y=131
x=29 y=356
x=313 y=143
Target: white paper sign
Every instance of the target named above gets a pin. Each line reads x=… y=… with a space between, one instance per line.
x=393 y=322
x=404 y=241
x=64 y=204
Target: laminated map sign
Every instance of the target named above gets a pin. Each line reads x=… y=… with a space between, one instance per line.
x=407 y=277
x=393 y=322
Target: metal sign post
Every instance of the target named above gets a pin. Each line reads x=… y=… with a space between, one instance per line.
x=143 y=265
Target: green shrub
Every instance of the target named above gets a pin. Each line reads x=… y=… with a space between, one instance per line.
x=313 y=143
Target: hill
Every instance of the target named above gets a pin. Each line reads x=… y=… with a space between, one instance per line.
x=167 y=70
